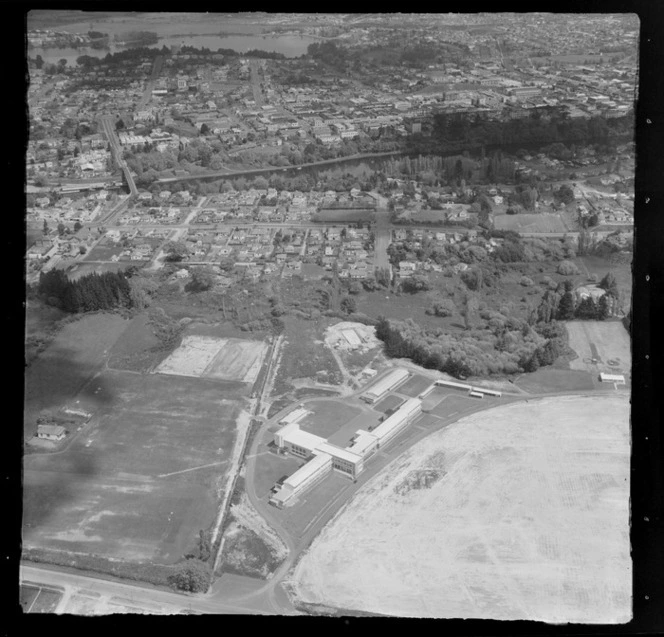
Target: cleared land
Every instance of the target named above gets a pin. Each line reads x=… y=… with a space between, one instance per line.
x=211 y=357
x=608 y=342
x=141 y=480
x=519 y=512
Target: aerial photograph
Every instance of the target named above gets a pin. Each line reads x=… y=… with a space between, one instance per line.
x=329 y=314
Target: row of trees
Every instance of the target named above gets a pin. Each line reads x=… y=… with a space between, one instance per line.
x=90 y=293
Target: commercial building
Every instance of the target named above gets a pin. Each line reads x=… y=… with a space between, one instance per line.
x=384 y=385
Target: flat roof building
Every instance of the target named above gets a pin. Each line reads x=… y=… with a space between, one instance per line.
x=384 y=385
x=397 y=421
x=364 y=444
x=305 y=477
x=612 y=378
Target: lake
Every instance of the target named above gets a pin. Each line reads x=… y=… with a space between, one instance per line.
x=213 y=31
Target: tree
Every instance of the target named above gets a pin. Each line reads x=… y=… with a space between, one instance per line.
x=609 y=284
x=603 y=310
x=567 y=268
x=564 y=194
x=61 y=229
x=175 y=251
x=201 y=279
x=348 y=304
x=62 y=62
x=82 y=249
x=192 y=576
x=566 y=307
x=45 y=228
x=39 y=61
x=442 y=307
x=119 y=125
x=77 y=226
x=205 y=129
x=416 y=283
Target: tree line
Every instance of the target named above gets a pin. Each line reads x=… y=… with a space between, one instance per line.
x=90 y=293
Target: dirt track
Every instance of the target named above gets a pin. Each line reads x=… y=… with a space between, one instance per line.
x=520 y=512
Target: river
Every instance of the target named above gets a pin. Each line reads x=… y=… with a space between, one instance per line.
x=213 y=31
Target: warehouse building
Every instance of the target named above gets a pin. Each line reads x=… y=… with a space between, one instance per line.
x=384 y=385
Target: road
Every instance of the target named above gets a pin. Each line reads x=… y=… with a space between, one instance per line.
x=147 y=598
x=256 y=83
x=147 y=93
x=109 y=130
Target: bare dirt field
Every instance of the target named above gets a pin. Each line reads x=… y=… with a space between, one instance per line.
x=518 y=512
x=212 y=357
x=606 y=341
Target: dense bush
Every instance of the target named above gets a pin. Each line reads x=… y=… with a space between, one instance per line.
x=192 y=576
x=567 y=268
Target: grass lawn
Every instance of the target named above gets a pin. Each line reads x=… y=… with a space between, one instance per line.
x=271 y=467
x=134 y=351
x=530 y=222
x=27 y=595
x=328 y=417
x=82 y=268
x=389 y=402
x=141 y=481
x=553 y=380
x=414 y=386
x=46 y=602
x=68 y=363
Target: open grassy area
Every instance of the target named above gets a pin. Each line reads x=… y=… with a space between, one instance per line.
x=137 y=348
x=389 y=402
x=75 y=355
x=305 y=355
x=328 y=416
x=140 y=482
x=35 y=599
x=530 y=222
x=552 y=380
x=414 y=386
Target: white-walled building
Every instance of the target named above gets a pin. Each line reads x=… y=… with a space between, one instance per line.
x=384 y=385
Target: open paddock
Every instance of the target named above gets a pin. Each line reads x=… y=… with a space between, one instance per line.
x=607 y=342
x=141 y=480
x=453 y=404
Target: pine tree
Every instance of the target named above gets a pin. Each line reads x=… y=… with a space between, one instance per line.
x=566 y=307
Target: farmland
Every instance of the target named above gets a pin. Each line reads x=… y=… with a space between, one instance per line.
x=141 y=480
x=68 y=363
x=505 y=515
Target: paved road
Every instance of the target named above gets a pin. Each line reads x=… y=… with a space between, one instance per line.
x=109 y=130
x=136 y=595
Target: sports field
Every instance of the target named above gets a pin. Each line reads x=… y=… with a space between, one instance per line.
x=530 y=222
x=212 y=357
x=517 y=512
x=140 y=480
x=607 y=342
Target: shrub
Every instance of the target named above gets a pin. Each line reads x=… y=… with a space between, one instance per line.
x=567 y=268
x=192 y=576
x=526 y=281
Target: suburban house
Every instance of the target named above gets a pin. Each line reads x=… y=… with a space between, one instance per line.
x=51 y=432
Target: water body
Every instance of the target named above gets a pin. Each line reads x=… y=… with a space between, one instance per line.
x=199 y=30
